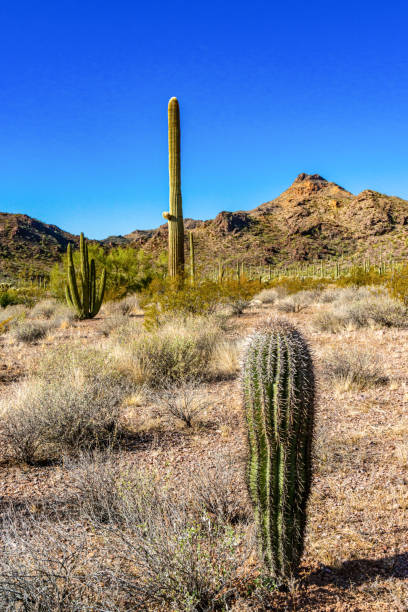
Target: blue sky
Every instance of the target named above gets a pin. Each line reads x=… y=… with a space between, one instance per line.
x=267 y=90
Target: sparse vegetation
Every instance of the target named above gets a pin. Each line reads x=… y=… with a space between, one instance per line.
x=99 y=401
x=356 y=370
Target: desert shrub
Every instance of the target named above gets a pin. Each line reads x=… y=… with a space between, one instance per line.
x=44 y=309
x=225 y=358
x=181 y=348
x=357 y=369
x=22 y=295
x=175 y=560
x=398 y=284
x=218 y=488
x=362 y=307
x=183 y=402
x=113 y=323
x=104 y=491
x=295 y=284
x=328 y=322
x=203 y=298
x=56 y=313
x=269 y=296
x=296 y=301
x=8 y=297
x=29 y=331
x=125 y=307
x=42 y=418
x=238 y=305
x=173 y=555
x=42 y=567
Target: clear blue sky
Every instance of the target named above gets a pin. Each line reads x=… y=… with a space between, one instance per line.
x=267 y=90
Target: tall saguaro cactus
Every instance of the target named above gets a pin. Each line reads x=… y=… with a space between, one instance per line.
x=175 y=214
x=278 y=391
x=88 y=299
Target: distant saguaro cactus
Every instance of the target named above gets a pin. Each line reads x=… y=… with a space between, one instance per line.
x=278 y=391
x=192 y=260
x=88 y=299
x=175 y=214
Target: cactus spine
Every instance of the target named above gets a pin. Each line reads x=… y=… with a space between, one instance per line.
x=175 y=214
x=88 y=300
x=278 y=391
x=192 y=259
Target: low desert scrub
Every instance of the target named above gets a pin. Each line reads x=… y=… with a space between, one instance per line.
x=105 y=492
x=28 y=331
x=269 y=296
x=354 y=369
x=365 y=307
x=297 y=301
x=132 y=546
x=184 y=402
x=181 y=348
x=218 y=487
x=61 y=412
x=238 y=305
x=125 y=307
x=175 y=560
x=42 y=567
x=203 y=298
x=44 y=309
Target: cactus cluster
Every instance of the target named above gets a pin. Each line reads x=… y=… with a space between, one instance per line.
x=278 y=392
x=175 y=214
x=87 y=298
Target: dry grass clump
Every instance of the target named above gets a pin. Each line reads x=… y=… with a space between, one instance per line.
x=270 y=296
x=44 y=309
x=180 y=349
x=297 y=301
x=364 y=307
x=61 y=411
x=125 y=307
x=353 y=370
x=29 y=331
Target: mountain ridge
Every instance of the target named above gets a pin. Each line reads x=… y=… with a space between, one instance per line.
x=312 y=219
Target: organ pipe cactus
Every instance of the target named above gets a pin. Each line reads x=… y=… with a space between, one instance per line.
x=279 y=397
x=86 y=299
x=175 y=214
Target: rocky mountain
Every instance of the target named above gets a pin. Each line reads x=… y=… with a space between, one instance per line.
x=312 y=219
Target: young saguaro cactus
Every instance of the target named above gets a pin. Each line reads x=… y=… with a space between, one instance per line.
x=88 y=299
x=279 y=398
x=175 y=214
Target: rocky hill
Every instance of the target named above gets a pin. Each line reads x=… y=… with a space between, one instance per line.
x=312 y=219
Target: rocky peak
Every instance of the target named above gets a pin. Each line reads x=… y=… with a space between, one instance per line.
x=231 y=221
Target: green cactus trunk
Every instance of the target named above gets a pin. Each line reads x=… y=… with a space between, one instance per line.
x=278 y=391
x=88 y=300
x=175 y=214
x=192 y=260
